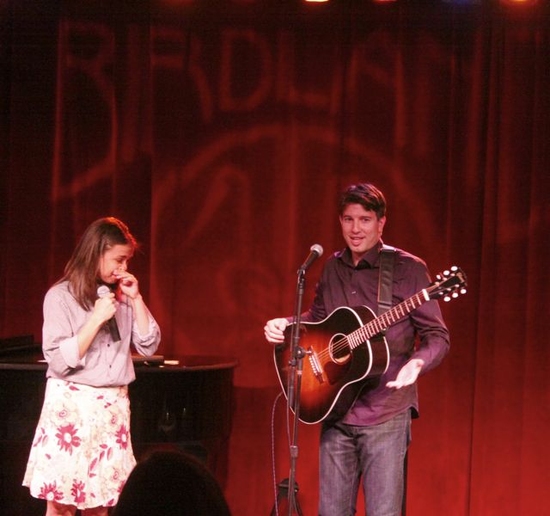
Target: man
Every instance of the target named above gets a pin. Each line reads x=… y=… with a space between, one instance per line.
x=369 y=443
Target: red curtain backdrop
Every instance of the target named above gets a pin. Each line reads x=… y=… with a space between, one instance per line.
x=222 y=133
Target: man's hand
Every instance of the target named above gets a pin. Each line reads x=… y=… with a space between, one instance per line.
x=408 y=374
x=274 y=330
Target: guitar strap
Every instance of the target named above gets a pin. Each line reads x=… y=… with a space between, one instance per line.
x=385 y=279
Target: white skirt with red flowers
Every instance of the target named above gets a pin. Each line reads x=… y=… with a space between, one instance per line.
x=82 y=453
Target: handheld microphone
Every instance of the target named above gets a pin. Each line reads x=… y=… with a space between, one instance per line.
x=102 y=291
x=315 y=252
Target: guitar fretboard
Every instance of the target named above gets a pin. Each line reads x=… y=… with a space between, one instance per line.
x=384 y=321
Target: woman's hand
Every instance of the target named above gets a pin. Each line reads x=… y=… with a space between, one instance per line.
x=127 y=283
x=104 y=308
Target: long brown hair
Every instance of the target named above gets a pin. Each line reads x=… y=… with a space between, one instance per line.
x=82 y=270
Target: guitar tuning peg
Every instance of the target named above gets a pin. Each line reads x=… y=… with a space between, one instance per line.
x=447 y=298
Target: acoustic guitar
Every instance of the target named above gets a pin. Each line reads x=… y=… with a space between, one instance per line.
x=347 y=350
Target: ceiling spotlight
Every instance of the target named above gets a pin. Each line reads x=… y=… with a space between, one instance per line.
x=519 y=2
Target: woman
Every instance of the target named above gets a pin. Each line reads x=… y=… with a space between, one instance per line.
x=82 y=452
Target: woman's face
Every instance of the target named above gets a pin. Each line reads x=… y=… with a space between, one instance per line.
x=114 y=259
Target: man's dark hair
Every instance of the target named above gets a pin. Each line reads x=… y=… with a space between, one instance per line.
x=365 y=194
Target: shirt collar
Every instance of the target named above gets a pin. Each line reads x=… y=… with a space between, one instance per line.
x=369 y=260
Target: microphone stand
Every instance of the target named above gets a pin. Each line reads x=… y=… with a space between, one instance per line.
x=297 y=355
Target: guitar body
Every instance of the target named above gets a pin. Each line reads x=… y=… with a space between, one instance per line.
x=347 y=350
x=334 y=369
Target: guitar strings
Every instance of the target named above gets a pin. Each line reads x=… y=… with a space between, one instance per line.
x=436 y=289
x=370 y=329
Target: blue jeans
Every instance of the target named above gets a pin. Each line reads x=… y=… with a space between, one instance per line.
x=373 y=454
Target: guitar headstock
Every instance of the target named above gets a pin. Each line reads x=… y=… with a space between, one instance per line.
x=448 y=284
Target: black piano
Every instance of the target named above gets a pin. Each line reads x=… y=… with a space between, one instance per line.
x=184 y=402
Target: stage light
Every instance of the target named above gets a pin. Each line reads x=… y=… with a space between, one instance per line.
x=462 y=2
x=519 y=2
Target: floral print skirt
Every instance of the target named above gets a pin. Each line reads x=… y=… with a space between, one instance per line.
x=82 y=453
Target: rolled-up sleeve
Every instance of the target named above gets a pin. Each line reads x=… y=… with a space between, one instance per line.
x=59 y=336
x=148 y=344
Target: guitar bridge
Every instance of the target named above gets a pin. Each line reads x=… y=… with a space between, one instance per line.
x=315 y=367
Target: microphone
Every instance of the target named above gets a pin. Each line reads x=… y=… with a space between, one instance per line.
x=102 y=291
x=315 y=252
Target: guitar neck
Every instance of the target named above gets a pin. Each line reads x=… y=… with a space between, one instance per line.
x=387 y=319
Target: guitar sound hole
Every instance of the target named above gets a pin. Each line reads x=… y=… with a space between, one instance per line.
x=339 y=349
